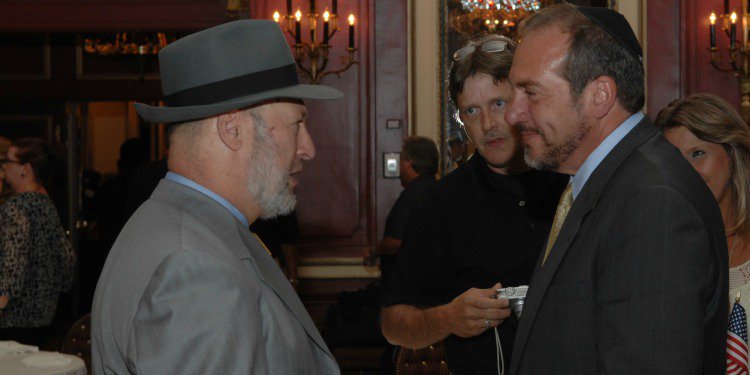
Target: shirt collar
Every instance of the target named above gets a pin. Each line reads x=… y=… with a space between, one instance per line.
x=595 y=158
x=174 y=177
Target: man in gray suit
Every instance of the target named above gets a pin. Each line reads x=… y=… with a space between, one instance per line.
x=187 y=288
x=633 y=279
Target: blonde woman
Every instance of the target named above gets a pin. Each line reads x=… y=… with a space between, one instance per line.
x=716 y=141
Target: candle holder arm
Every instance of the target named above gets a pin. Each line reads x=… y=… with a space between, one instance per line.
x=349 y=62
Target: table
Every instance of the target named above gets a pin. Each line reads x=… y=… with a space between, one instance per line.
x=11 y=364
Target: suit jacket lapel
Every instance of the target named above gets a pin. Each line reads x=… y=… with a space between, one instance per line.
x=241 y=243
x=583 y=204
x=272 y=275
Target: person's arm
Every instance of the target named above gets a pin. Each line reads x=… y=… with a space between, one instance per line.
x=654 y=279
x=14 y=242
x=387 y=246
x=66 y=263
x=465 y=316
x=198 y=316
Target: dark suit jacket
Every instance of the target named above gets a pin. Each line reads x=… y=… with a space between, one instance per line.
x=636 y=282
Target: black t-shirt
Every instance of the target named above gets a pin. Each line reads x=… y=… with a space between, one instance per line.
x=475 y=228
x=398 y=218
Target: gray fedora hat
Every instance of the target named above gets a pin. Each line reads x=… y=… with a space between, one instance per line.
x=227 y=67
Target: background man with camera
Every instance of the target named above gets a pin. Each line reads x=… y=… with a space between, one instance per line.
x=481 y=226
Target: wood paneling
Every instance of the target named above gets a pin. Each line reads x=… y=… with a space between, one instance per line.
x=664 y=76
x=25 y=56
x=110 y=15
x=65 y=82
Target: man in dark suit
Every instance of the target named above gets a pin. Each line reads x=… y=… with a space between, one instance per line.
x=633 y=279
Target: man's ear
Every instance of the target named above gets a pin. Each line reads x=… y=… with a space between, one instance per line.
x=604 y=94
x=26 y=169
x=228 y=127
x=407 y=162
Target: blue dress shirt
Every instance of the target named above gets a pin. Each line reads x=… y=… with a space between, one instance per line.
x=589 y=165
x=174 y=177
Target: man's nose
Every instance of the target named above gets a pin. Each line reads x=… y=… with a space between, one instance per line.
x=305 y=145
x=488 y=121
x=516 y=113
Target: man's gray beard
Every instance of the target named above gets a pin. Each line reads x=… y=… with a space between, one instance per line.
x=267 y=183
x=557 y=153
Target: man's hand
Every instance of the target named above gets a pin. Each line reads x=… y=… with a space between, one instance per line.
x=4 y=300
x=369 y=257
x=468 y=315
x=474 y=311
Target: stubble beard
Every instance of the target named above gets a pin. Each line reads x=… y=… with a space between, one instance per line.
x=554 y=154
x=267 y=183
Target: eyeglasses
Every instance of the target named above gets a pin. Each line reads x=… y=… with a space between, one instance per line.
x=489 y=46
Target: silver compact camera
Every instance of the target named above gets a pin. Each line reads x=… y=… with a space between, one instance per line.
x=515 y=296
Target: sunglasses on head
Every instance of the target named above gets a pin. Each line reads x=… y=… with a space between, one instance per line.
x=489 y=46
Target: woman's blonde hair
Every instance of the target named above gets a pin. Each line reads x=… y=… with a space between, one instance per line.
x=714 y=120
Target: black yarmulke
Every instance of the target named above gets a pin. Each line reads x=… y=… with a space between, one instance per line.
x=615 y=25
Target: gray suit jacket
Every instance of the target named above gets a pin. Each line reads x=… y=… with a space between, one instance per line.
x=187 y=289
x=636 y=282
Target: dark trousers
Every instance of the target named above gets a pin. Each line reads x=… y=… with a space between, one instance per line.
x=26 y=335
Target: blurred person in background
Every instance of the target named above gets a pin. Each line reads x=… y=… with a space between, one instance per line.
x=417 y=168
x=36 y=257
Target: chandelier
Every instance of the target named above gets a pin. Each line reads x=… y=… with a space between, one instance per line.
x=476 y=17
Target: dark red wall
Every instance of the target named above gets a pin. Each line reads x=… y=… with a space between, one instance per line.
x=678 y=53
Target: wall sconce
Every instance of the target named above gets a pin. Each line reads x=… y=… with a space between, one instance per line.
x=312 y=57
x=735 y=59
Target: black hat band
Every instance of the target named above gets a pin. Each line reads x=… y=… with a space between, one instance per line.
x=235 y=87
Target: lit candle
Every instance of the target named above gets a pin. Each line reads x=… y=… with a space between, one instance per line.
x=288 y=6
x=351 y=31
x=712 y=27
x=335 y=6
x=733 y=30
x=276 y=16
x=312 y=6
x=326 y=17
x=313 y=26
x=297 y=27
